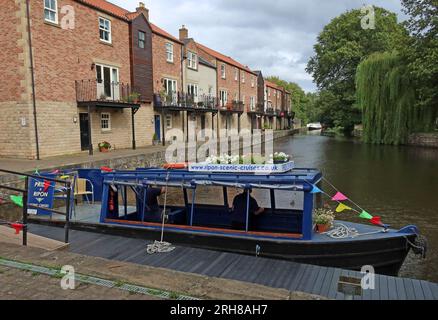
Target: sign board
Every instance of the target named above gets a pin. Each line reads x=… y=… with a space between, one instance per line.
x=242 y=168
x=40 y=194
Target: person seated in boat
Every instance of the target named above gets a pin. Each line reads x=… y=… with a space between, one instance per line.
x=152 y=195
x=239 y=211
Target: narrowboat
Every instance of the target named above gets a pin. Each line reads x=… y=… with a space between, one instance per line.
x=285 y=230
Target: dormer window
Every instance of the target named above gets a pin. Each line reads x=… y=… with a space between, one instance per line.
x=141 y=39
x=105 y=30
x=192 y=60
x=51 y=11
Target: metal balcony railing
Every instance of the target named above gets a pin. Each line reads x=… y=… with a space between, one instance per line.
x=93 y=90
x=184 y=101
x=232 y=106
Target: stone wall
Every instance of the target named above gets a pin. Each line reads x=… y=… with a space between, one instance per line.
x=424 y=140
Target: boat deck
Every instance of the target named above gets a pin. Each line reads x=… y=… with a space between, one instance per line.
x=269 y=272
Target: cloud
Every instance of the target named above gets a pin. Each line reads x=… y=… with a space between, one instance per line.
x=275 y=36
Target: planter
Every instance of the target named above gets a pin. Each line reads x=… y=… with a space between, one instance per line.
x=321 y=228
x=281 y=161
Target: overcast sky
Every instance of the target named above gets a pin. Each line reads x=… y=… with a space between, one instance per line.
x=275 y=36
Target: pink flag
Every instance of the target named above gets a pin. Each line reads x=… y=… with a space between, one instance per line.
x=339 y=197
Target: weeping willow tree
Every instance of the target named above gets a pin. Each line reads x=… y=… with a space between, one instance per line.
x=387 y=98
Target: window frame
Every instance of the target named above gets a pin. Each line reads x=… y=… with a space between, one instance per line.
x=223 y=71
x=109 y=31
x=192 y=60
x=141 y=40
x=243 y=77
x=170 y=119
x=170 y=52
x=102 y=114
x=51 y=10
x=223 y=93
x=236 y=74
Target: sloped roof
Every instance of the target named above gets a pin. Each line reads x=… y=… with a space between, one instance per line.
x=206 y=63
x=124 y=14
x=223 y=58
x=273 y=85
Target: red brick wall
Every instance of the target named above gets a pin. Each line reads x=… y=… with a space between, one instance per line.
x=10 y=50
x=247 y=89
x=162 y=68
x=63 y=56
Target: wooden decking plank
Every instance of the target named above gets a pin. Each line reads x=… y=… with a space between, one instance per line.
x=392 y=289
x=334 y=284
x=312 y=279
x=287 y=273
x=375 y=294
x=308 y=269
x=418 y=290
x=428 y=295
x=383 y=288
x=298 y=275
x=325 y=287
x=434 y=288
x=319 y=281
x=410 y=295
x=401 y=290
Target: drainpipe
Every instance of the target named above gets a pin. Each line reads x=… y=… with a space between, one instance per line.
x=33 y=81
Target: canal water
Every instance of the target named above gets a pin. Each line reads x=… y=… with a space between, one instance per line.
x=399 y=184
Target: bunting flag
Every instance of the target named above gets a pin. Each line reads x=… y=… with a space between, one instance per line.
x=64 y=177
x=316 y=190
x=55 y=171
x=377 y=221
x=366 y=215
x=106 y=169
x=342 y=207
x=37 y=172
x=18 y=227
x=339 y=197
x=18 y=200
x=47 y=185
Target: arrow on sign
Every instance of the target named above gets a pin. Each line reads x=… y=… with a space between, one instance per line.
x=39 y=199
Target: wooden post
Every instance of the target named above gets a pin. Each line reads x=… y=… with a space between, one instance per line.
x=25 y=196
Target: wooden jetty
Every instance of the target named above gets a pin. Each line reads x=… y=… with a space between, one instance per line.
x=292 y=276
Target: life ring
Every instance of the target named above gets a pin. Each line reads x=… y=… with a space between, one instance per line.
x=182 y=165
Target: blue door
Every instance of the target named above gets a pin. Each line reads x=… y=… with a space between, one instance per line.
x=158 y=127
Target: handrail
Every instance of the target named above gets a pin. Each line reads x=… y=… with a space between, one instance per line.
x=25 y=192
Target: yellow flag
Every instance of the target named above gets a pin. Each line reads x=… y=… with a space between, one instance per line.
x=342 y=207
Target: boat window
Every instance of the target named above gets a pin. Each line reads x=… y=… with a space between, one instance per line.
x=207 y=195
x=289 y=200
x=263 y=197
x=175 y=197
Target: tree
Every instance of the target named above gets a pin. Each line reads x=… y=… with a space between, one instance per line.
x=340 y=47
x=386 y=95
x=422 y=56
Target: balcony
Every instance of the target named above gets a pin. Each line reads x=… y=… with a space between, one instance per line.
x=95 y=92
x=179 y=101
x=259 y=109
x=232 y=107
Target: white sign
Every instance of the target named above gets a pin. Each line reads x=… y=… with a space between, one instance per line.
x=242 y=168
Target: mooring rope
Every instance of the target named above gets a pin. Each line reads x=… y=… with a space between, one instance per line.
x=341 y=231
x=161 y=246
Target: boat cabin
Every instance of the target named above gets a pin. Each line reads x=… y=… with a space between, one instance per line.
x=286 y=198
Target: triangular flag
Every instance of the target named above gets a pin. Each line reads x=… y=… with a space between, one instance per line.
x=55 y=171
x=18 y=227
x=65 y=177
x=377 y=221
x=47 y=184
x=37 y=172
x=106 y=169
x=342 y=207
x=339 y=197
x=18 y=200
x=316 y=190
x=366 y=215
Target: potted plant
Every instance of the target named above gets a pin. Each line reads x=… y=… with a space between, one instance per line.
x=323 y=218
x=134 y=97
x=280 y=157
x=103 y=96
x=155 y=140
x=104 y=146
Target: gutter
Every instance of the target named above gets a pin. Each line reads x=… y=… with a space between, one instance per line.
x=33 y=81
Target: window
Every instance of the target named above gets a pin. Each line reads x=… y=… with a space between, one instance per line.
x=252 y=81
x=105 y=121
x=105 y=30
x=243 y=77
x=141 y=39
x=51 y=11
x=107 y=82
x=269 y=92
x=243 y=99
x=192 y=90
x=252 y=102
x=236 y=74
x=223 y=95
x=192 y=60
x=168 y=121
x=169 y=52
x=223 y=71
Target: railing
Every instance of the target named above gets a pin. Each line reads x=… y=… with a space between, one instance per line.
x=270 y=111
x=258 y=108
x=185 y=100
x=232 y=106
x=23 y=178
x=96 y=90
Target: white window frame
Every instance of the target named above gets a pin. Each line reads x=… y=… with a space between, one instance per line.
x=192 y=60
x=243 y=77
x=52 y=10
x=252 y=103
x=236 y=74
x=103 y=118
x=104 y=29
x=252 y=82
x=169 y=52
x=223 y=72
x=169 y=121
x=223 y=96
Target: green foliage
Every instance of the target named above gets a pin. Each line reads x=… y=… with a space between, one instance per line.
x=340 y=48
x=387 y=98
x=422 y=56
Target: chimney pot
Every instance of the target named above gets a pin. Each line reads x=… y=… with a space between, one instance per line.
x=142 y=8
